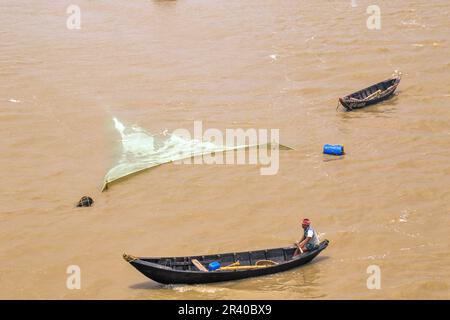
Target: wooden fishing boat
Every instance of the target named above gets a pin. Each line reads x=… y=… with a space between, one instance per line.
x=234 y=266
x=371 y=95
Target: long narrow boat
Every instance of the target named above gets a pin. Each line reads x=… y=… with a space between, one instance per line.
x=238 y=265
x=371 y=95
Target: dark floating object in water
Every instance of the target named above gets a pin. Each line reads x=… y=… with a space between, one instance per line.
x=85 y=202
x=371 y=95
x=238 y=265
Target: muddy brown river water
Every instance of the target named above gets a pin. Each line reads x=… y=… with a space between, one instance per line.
x=231 y=64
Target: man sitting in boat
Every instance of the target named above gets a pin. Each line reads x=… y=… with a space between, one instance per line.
x=310 y=239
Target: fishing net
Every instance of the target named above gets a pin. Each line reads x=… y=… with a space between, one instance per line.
x=141 y=151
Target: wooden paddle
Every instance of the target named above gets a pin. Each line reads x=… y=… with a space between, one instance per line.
x=234 y=264
x=372 y=95
x=259 y=264
x=299 y=248
x=241 y=268
x=366 y=98
x=199 y=266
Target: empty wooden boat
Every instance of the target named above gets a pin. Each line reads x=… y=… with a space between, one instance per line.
x=371 y=95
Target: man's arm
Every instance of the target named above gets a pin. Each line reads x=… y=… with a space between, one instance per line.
x=304 y=242
x=300 y=241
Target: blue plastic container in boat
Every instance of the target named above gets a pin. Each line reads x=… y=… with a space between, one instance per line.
x=213 y=266
x=334 y=149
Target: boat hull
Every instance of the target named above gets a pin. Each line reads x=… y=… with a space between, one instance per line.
x=362 y=98
x=166 y=275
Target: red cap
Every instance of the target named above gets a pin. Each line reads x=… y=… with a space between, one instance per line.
x=306 y=221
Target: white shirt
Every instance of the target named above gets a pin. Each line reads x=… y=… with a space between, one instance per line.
x=313 y=235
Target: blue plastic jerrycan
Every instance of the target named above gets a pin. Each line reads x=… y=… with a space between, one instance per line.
x=334 y=149
x=213 y=266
